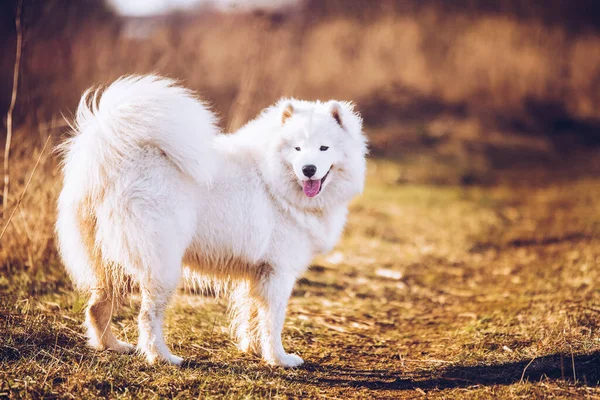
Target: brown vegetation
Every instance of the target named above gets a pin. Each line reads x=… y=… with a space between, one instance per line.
x=470 y=264
x=437 y=291
x=508 y=70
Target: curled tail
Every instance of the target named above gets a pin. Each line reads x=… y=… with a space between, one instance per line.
x=110 y=125
x=147 y=111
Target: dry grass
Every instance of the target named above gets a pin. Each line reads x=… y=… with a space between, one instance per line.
x=470 y=265
x=437 y=291
x=515 y=74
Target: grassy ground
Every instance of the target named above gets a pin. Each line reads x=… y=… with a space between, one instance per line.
x=435 y=291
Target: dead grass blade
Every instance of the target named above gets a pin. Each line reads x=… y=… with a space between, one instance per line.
x=25 y=188
x=525 y=369
x=13 y=101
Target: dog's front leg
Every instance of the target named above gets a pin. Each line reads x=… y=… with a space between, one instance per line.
x=273 y=295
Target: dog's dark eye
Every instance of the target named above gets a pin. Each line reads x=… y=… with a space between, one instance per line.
x=297 y=148
x=324 y=148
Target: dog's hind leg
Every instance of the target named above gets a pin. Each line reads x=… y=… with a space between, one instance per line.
x=156 y=294
x=101 y=306
x=244 y=319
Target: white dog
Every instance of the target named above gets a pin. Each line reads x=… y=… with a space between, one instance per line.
x=152 y=192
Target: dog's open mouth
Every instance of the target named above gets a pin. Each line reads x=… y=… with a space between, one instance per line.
x=312 y=187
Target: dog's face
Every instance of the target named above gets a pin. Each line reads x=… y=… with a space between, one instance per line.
x=321 y=152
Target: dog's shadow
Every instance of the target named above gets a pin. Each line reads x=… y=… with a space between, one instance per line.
x=586 y=371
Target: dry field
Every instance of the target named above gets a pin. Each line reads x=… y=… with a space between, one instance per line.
x=469 y=267
x=436 y=290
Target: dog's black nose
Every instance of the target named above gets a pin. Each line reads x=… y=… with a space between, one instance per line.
x=309 y=170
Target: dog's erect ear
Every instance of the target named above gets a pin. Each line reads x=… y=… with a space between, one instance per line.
x=336 y=112
x=288 y=111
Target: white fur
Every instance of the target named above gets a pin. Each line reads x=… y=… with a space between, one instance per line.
x=165 y=195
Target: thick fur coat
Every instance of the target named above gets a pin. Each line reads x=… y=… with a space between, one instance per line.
x=153 y=193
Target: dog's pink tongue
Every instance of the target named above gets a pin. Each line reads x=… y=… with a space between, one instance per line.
x=311 y=187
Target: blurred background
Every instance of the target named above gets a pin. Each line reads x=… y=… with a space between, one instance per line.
x=470 y=264
x=478 y=87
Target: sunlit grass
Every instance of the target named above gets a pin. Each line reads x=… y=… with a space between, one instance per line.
x=440 y=289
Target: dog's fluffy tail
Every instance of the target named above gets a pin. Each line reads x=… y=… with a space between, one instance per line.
x=131 y=114
x=151 y=111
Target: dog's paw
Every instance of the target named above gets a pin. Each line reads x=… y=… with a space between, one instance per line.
x=244 y=345
x=174 y=360
x=248 y=346
x=114 y=345
x=154 y=358
x=287 y=361
x=122 y=347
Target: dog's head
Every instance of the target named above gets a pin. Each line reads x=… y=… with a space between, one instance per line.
x=318 y=153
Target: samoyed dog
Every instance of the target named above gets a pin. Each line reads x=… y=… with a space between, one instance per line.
x=153 y=193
